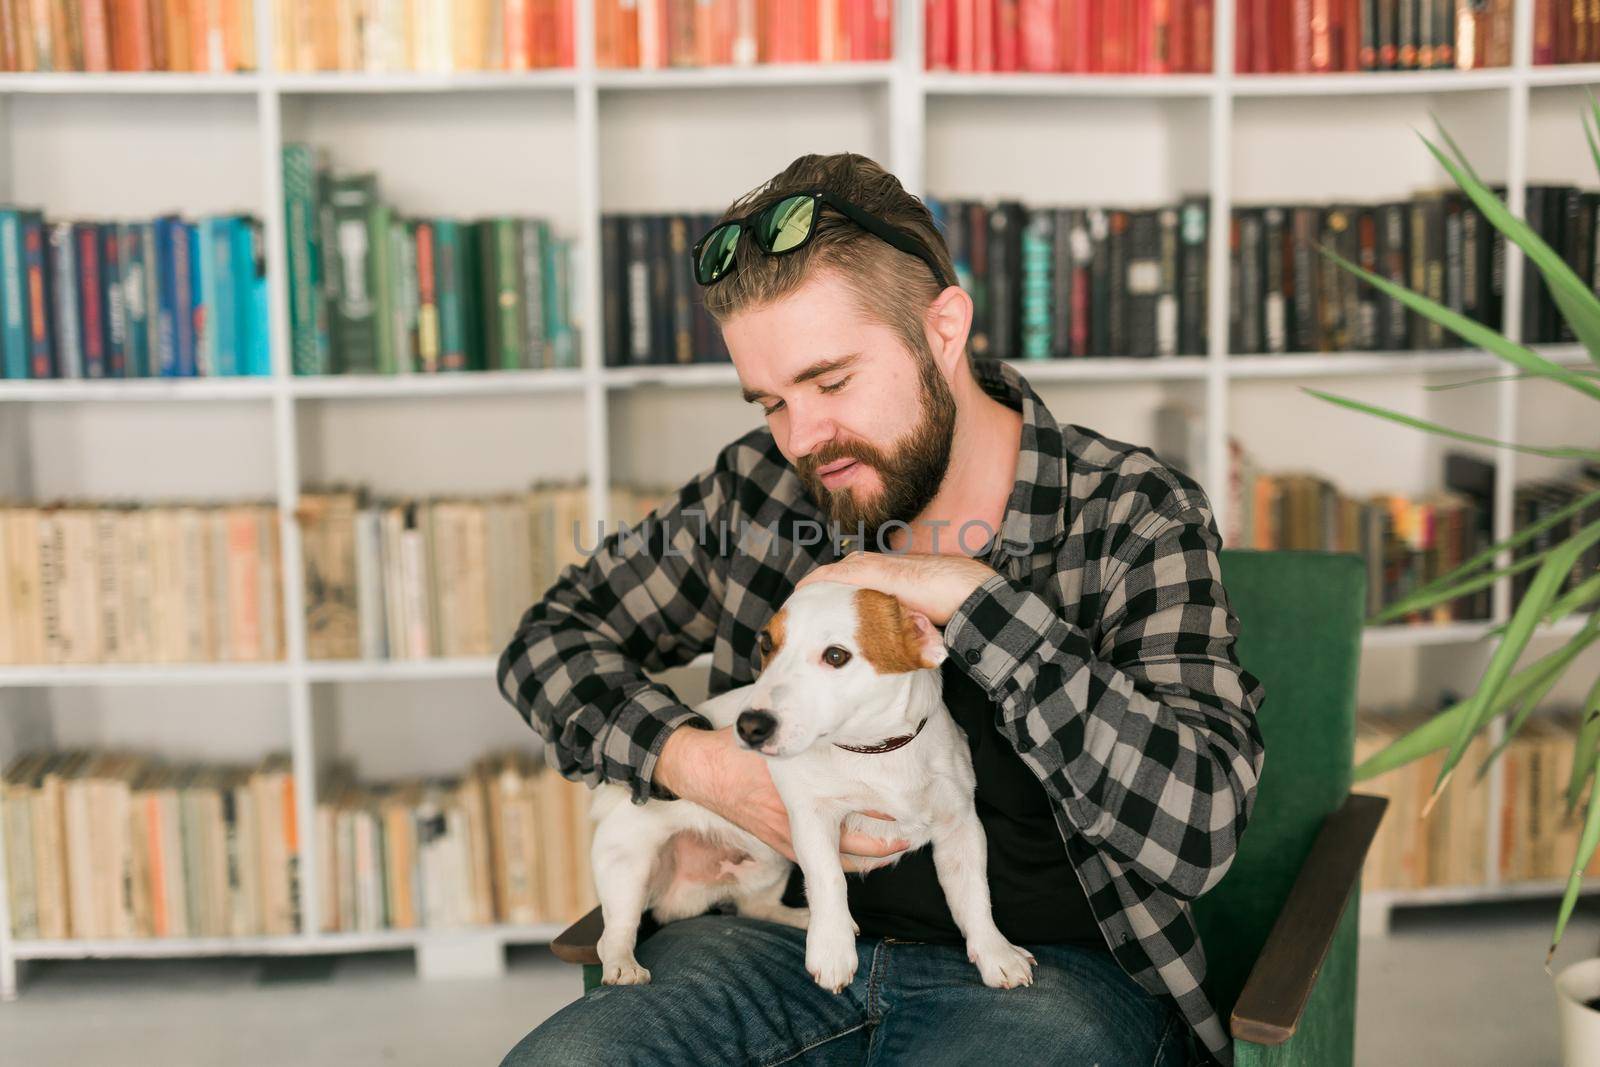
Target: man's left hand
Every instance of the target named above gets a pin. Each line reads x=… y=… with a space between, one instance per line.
x=935 y=585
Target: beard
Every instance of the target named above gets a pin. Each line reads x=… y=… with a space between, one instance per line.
x=911 y=470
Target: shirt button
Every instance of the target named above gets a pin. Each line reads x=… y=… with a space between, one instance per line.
x=973 y=655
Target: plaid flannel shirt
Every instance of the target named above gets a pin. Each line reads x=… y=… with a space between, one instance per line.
x=1105 y=638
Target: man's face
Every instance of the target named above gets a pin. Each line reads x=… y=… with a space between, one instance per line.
x=866 y=424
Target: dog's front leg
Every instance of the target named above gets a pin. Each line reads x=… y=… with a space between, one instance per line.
x=961 y=856
x=830 y=940
x=624 y=851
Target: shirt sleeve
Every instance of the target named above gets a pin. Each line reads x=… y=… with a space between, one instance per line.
x=1150 y=742
x=648 y=599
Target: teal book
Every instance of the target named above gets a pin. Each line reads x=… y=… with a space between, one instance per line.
x=506 y=294
x=536 y=355
x=13 y=298
x=1038 y=247
x=383 y=281
x=354 y=316
x=306 y=315
x=448 y=279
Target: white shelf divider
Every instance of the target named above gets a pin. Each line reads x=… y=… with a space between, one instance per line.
x=908 y=92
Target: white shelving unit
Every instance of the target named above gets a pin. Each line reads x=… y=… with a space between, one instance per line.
x=958 y=136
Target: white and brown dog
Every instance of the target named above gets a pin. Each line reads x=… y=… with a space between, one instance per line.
x=849 y=709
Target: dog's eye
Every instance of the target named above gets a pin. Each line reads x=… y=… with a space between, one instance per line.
x=764 y=643
x=834 y=656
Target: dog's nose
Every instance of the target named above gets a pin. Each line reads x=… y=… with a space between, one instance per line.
x=756 y=726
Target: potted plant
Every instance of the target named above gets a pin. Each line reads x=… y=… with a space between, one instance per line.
x=1504 y=692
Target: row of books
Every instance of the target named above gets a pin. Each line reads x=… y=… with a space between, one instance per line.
x=126 y=583
x=143 y=35
x=506 y=842
x=1568 y=219
x=1068 y=282
x=1285 y=296
x=657 y=34
x=1537 y=838
x=1350 y=35
x=652 y=310
x=114 y=845
x=165 y=297
x=372 y=292
x=118 y=845
x=1070 y=36
x=423 y=35
x=414 y=578
x=1565 y=31
x=1409 y=541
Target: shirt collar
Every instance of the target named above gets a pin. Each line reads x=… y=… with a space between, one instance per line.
x=1036 y=514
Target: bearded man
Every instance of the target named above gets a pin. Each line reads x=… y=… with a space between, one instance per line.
x=1091 y=667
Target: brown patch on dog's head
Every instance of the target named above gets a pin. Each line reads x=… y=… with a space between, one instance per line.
x=891 y=637
x=770 y=640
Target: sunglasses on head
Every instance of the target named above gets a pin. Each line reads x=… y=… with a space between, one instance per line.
x=789 y=225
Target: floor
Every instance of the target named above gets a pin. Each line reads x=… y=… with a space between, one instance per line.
x=1460 y=985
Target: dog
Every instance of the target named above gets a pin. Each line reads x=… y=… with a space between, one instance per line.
x=848 y=708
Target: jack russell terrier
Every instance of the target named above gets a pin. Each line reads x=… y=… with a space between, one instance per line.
x=848 y=707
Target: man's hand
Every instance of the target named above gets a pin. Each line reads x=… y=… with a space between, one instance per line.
x=935 y=585
x=710 y=768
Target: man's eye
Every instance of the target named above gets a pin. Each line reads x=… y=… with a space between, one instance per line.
x=773 y=410
x=834 y=656
x=838 y=385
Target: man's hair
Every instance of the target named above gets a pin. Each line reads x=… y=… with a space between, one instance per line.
x=889 y=286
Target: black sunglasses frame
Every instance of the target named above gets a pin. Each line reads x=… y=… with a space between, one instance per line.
x=895 y=236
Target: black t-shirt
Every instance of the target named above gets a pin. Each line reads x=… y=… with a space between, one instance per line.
x=1036 y=896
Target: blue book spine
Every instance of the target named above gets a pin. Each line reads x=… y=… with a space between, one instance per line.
x=116 y=309
x=36 y=272
x=184 y=296
x=150 y=259
x=202 y=363
x=250 y=275
x=224 y=328
x=167 y=234
x=13 y=298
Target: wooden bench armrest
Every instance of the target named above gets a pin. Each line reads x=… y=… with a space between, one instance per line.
x=576 y=944
x=1280 y=983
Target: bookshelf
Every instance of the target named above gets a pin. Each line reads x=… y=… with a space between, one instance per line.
x=571 y=144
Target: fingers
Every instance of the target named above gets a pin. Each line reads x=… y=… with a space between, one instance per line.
x=857 y=844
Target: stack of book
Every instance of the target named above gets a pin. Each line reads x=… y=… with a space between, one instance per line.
x=1537 y=837
x=371 y=292
x=1070 y=36
x=1285 y=296
x=1068 y=282
x=130 y=583
x=651 y=307
x=1565 y=31
x=508 y=842
x=1350 y=35
x=147 y=35
x=438 y=36
x=656 y=34
x=114 y=845
x=412 y=578
x=163 y=298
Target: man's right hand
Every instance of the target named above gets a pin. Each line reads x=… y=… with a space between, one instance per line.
x=712 y=769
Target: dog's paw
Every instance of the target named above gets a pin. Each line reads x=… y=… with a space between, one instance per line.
x=831 y=960
x=625 y=972
x=1002 y=964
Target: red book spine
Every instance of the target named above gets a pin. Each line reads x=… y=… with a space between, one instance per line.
x=1039 y=34
x=1202 y=28
x=885 y=28
x=89 y=297
x=1007 y=45
x=1161 y=37
x=1543 y=46
x=937 y=27
x=1111 y=31
x=966 y=34
x=38 y=319
x=983 y=21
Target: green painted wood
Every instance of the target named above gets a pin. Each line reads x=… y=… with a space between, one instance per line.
x=1326 y=1036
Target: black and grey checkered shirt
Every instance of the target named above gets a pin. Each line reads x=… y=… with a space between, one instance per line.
x=1105 y=638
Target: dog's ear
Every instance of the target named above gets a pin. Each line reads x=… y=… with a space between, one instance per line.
x=894 y=638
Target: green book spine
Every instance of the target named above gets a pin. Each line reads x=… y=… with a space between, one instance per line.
x=300 y=213
x=508 y=294
x=325 y=265
x=354 y=327
x=381 y=262
x=447 y=253
x=536 y=353
x=470 y=282
x=403 y=254
x=485 y=312
x=564 y=340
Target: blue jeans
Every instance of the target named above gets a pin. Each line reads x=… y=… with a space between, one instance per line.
x=725 y=989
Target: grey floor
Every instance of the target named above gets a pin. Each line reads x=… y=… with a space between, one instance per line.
x=1463 y=985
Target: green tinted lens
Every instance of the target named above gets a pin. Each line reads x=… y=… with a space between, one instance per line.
x=785 y=226
x=716 y=255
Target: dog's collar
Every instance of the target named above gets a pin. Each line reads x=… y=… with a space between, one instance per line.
x=888 y=745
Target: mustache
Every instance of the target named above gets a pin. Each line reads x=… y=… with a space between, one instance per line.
x=808 y=465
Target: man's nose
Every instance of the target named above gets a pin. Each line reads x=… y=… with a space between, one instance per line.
x=808 y=430
x=756 y=725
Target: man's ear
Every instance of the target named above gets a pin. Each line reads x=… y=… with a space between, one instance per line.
x=927 y=643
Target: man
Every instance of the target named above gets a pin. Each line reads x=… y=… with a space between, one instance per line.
x=1092 y=668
